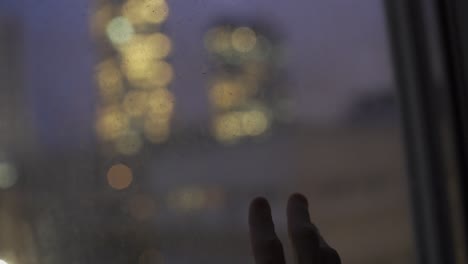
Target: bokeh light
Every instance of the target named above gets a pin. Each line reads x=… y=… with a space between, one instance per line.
x=146 y=11
x=129 y=143
x=218 y=40
x=146 y=48
x=147 y=73
x=228 y=127
x=119 y=176
x=226 y=94
x=109 y=79
x=255 y=123
x=119 y=30
x=8 y=175
x=243 y=39
x=112 y=122
x=160 y=103
x=3 y=261
x=142 y=207
x=157 y=130
x=188 y=199
x=135 y=103
x=128 y=114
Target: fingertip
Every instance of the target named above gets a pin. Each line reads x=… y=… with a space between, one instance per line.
x=259 y=203
x=260 y=210
x=298 y=199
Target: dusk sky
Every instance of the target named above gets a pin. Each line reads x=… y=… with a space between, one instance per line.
x=335 y=50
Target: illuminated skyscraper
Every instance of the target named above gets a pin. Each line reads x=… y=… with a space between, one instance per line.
x=245 y=81
x=133 y=75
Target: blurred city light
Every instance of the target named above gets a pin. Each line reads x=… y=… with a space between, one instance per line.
x=254 y=123
x=119 y=176
x=8 y=175
x=137 y=105
x=149 y=46
x=112 y=123
x=119 y=30
x=160 y=103
x=146 y=11
x=157 y=130
x=109 y=79
x=241 y=91
x=189 y=198
x=227 y=94
x=218 y=40
x=228 y=127
x=129 y=143
x=243 y=39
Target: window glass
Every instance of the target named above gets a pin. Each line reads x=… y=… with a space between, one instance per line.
x=137 y=131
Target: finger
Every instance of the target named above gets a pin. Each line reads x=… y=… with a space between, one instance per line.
x=329 y=256
x=267 y=248
x=304 y=235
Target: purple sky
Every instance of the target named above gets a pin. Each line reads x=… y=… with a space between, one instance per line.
x=335 y=51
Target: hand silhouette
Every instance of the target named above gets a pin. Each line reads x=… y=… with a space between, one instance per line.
x=309 y=246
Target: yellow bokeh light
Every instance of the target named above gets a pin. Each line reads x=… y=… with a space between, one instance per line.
x=255 y=122
x=188 y=199
x=109 y=79
x=147 y=47
x=160 y=103
x=135 y=103
x=111 y=123
x=129 y=143
x=148 y=74
x=218 y=40
x=243 y=39
x=146 y=11
x=8 y=175
x=119 y=30
x=141 y=207
x=162 y=74
x=227 y=94
x=157 y=130
x=228 y=127
x=119 y=176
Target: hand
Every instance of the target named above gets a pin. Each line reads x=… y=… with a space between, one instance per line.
x=308 y=244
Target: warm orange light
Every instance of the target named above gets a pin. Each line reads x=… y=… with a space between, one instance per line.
x=119 y=176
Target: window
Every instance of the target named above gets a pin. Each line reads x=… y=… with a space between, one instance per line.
x=139 y=130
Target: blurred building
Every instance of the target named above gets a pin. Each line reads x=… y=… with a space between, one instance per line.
x=133 y=75
x=247 y=84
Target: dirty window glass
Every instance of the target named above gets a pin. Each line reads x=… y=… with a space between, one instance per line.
x=137 y=131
